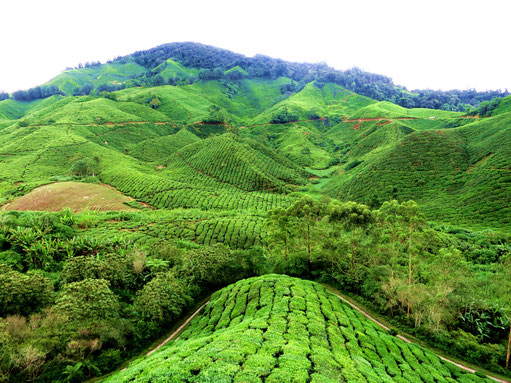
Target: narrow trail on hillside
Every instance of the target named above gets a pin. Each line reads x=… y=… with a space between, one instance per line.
x=171 y=336
x=352 y=305
x=463 y=367
x=183 y=123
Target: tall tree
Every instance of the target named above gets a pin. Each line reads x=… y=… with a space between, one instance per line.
x=310 y=209
x=414 y=219
x=353 y=216
x=504 y=293
x=390 y=222
x=280 y=228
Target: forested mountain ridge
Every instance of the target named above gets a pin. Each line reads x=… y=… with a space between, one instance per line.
x=186 y=62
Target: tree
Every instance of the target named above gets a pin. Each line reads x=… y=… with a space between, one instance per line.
x=114 y=268
x=414 y=219
x=90 y=299
x=23 y=294
x=280 y=228
x=163 y=298
x=310 y=209
x=158 y=80
x=212 y=266
x=84 y=167
x=504 y=293
x=354 y=216
x=390 y=222
x=80 y=168
x=155 y=103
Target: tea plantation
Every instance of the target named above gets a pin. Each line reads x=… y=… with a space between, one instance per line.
x=132 y=190
x=280 y=329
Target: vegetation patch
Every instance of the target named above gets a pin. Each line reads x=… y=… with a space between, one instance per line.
x=77 y=196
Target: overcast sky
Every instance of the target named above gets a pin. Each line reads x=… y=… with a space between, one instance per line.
x=420 y=44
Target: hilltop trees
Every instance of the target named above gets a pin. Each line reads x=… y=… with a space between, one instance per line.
x=219 y=64
x=36 y=93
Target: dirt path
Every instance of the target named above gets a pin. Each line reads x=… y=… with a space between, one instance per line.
x=389 y=119
x=463 y=367
x=171 y=336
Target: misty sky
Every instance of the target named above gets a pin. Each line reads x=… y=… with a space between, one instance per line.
x=420 y=44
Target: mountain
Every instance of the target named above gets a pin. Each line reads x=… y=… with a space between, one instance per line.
x=185 y=63
x=164 y=176
x=167 y=140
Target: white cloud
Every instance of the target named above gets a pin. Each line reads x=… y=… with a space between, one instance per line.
x=435 y=44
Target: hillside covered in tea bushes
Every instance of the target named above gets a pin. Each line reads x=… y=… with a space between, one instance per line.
x=132 y=190
x=280 y=329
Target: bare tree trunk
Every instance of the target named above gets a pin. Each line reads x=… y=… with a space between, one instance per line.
x=308 y=241
x=285 y=248
x=353 y=251
x=508 y=347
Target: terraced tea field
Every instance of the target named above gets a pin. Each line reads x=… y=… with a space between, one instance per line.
x=148 y=228
x=280 y=329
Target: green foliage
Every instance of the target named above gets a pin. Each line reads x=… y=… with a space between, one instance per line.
x=114 y=268
x=281 y=328
x=284 y=116
x=210 y=208
x=87 y=299
x=23 y=294
x=163 y=298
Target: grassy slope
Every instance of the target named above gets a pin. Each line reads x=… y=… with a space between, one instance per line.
x=241 y=163
x=146 y=229
x=385 y=109
x=172 y=69
x=159 y=149
x=77 y=196
x=113 y=73
x=277 y=328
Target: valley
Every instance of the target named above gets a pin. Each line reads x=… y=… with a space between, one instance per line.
x=132 y=190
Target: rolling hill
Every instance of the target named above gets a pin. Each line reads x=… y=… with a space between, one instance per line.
x=375 y=150
x=281 y=329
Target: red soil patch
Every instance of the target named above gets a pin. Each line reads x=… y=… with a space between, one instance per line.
x=77 y=196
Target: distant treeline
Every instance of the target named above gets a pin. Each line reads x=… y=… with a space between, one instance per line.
x=86 y=65
x=36 y=93
x=375 y=86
